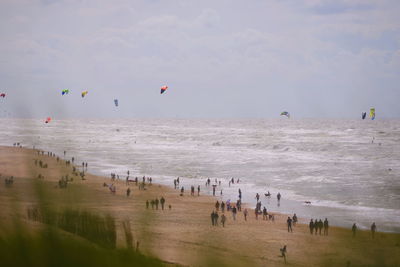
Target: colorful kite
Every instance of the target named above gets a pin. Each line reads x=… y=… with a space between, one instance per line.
x=163 y=89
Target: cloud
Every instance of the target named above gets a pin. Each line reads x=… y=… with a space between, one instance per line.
x=215 y=56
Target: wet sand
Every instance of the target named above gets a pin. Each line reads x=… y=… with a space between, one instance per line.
x=184 y=234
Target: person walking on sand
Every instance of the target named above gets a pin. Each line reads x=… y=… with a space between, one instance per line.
x=147 y=204
x=182 y=191
x=289 y=224
x=223 y=219
x=354 y=229
x=316 y=226
x=216 y=216
x=283 y=253
x=156 y=202
x=128 y=192
x=294 y=219
x=245 y=212
x=212 y=218
x=222 y=206
x=326 y=226
x=373 y=230
x=265 y=213
x=234 y=211
x=320 y=226
x=217 y=205
x=311 y=226
x=198 y=190
x=162 y=201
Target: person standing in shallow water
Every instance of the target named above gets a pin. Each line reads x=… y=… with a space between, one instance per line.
x=278 y=196
x=373 y=230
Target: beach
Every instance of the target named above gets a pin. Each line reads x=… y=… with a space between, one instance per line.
x=183 y=234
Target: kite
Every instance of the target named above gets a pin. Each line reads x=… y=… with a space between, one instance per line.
x=3 y=95
x=48 y=120
x=84 y=93
x=116 y=102
x=65 y=92
x=372 y=113
x=163 y=89
x=285 y=113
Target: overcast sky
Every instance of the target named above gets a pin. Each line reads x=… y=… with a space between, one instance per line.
x=220 y=58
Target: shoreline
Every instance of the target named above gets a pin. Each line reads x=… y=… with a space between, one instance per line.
x=184 y=233
x=338 y=216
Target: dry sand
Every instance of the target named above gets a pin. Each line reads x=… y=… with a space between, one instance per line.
x=184 y=234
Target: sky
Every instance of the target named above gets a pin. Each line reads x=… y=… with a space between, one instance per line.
x=220 y=58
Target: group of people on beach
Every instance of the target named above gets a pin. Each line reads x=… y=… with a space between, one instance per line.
x=316 y=226
x=155 y=203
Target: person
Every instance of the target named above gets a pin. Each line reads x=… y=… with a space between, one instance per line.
x=354 y=229
x=311 y=226
x=294 y=219
x=152 y=204
x=239 y=205
x=128 y=192
x=234 y=211
x=223 y=219
x=289 y=224
x=156 y=202
x=257 y=197
x=256 y=213
x=216 y=219
x=214 y=189
x=245 y=212
x=373 y=229
x=265 y=214
x=278 y=196
x=147 y=204
x=182 y=190
x=162 y=201
x=240 y=194
x=320 y=226
x=316 y=226
x=174 y=183
x=222 y=206
x=283 y=253
x=212 y=218
x=217 y=205
x=192 y=190
x=198 y=190
x=326 y=226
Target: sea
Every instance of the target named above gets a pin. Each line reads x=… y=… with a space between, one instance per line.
x=345 y=170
